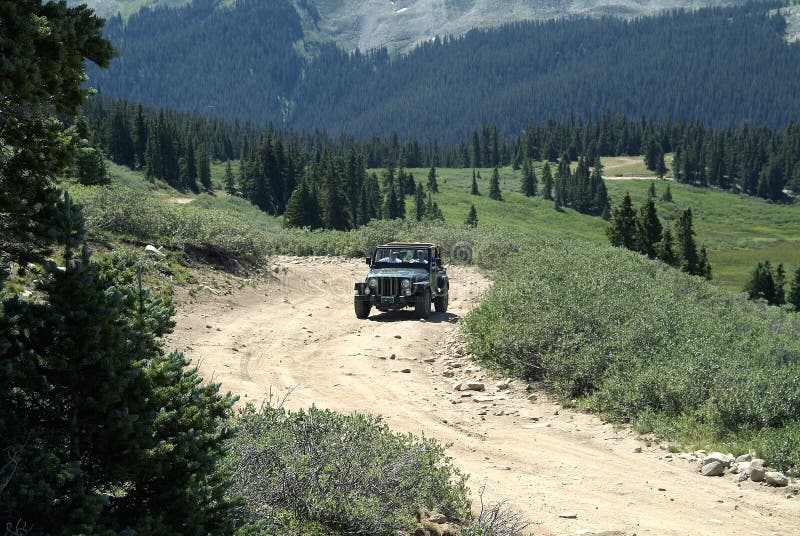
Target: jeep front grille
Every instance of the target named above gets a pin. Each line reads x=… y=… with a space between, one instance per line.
x=388 y=286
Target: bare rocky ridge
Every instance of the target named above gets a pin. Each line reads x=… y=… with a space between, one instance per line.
x=569 y=473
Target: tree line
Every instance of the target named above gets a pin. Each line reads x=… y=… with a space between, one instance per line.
x=770 y=285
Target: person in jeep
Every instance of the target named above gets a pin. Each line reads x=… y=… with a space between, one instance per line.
x=420 y=257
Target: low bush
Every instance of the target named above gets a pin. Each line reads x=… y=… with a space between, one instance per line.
x=632 y=338
x=317 y=471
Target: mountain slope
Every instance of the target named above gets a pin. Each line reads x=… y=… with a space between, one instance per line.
x=721 y=66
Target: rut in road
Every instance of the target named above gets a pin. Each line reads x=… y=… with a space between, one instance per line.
x=299 y=332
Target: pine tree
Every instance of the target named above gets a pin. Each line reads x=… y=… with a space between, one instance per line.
x=667 y=195
x=794 y=292
x=188 y=167
x=303 y=209
x=648 y=229
x=230 y=184
x=704 y=264
x=390 y=209
x=547 y=178
x=419 y=202
x=687 y=248
x=139 y=137
x=780 y=285
x=204 y=168
x=472 y=217
x=529 y=181
x=651 y=191
x=666 y=249
x=433 y=186
x=661 y=166
x=761 y=284
x=119 y=140
x=494 y=186
x=622 y=228
x=474 y=190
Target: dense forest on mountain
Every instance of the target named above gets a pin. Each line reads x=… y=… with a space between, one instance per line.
x=719 y=66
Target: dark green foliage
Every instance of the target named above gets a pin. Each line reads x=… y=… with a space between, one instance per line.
x=529 y=180
x=766 y=284
x=667 y=195
x=687 y=247
x=472 y=217
x=230 y=183
x=188 y=167
x=474 y=190
x=303 y=209
x=648 y=229
x=547 y=178
x=651 y=191
x=119 y=140
x=661 y=166
x=204 y=168
x=524 y=66
x=90 y=165
x=666 y=249
x=494 y=186
x=433 y=185
x=294 y=468
x=793 y=298
x=622 y=228
x=419 y=202
x=35 y=84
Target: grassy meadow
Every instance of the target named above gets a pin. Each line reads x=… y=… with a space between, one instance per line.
x=737 y=230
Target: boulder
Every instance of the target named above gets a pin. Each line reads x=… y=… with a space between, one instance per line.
x=473 y=386
x=775 y=478
x=713 y=468
x=756 y=470
x=717 y=456
x=439 y=519
x=745 y=457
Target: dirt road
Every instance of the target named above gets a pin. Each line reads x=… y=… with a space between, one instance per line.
x=299 y=331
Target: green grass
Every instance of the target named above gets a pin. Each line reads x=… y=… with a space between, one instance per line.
x=737 y=230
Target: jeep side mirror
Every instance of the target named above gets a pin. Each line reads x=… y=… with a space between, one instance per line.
x=438 y=261
x=369 y=260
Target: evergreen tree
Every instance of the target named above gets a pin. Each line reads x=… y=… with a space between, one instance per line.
x=667 y=195
x=547 y=178
x=119 y=140
x=794 y=292
x=494 y=186
x=433 y=186
x=761 y=285
x=661 y=166
x=622 y=228
x=139 y=137
x=648 y=229
x=188 y=167
x=474 y=190
x=419 y=202
x=204 y=168
x=303 y=209
x=687 y=248
x=472 y=217
x=529 y=181
x=704 y=264
x=104 y=433
x=666 y=249
x=780 y=285
x=651 y=191
x=230 y=184
x=390 y=209
x=90 y=166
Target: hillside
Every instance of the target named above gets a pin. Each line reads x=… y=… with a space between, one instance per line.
x=400 y=25
x=251 y=62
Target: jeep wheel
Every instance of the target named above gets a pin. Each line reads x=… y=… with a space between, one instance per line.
x=440 y=302
x=362 y=308
x=423 y=305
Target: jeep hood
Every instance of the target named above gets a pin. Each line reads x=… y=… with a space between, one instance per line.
x=408 y=273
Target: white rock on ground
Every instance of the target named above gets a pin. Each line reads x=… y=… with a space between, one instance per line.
x=775 y=478
x=756 y=470
x=713 y=468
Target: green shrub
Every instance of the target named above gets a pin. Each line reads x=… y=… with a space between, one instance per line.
x=635 y=339
x=346 y=473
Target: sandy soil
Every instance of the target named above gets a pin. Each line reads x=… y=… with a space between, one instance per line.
x=298 y=331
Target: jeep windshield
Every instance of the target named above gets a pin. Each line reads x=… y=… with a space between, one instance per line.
x=409 y=257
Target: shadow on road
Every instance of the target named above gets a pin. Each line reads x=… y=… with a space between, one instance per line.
x=397 y=316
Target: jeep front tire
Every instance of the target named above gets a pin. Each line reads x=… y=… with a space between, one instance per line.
x=423 y=304
x=362 y=308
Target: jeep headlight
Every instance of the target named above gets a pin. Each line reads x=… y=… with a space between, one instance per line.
x=405 y=283
x=372 y=282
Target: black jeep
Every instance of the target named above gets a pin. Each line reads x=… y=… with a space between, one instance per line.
x=403 y=275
